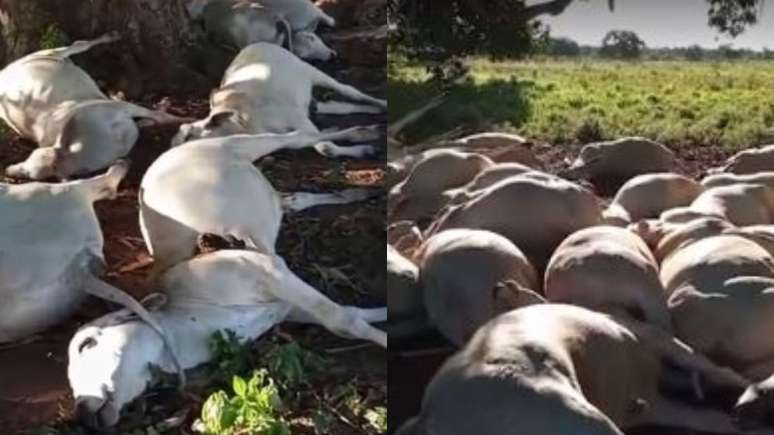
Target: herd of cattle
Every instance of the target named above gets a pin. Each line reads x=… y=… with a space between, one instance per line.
x=51 y=243
x=576 y=314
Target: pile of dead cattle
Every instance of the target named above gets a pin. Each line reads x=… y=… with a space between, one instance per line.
x=575 y=313
x=51 y=242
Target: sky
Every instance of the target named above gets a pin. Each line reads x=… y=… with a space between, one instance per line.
x=660 y=23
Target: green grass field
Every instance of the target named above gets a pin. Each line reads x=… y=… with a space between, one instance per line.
x=679 y=103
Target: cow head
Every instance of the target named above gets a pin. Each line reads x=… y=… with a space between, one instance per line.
x=307 y=45
x=109 y=364
x=218 y=124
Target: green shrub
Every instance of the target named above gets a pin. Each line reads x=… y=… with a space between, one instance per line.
x=231 y=358
x=254 y=408
x=292 y=366
x=53 y=37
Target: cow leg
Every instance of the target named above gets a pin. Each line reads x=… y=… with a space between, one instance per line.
x=683 y=356
x=151 y=117
x=253 y=147
x=319 y=78
x=80 y=46
x=344 y=321
x=325 y=18
x=330 y=149
x=297 y=201
x=370 y=315
x=343 y=108
x=104 y=186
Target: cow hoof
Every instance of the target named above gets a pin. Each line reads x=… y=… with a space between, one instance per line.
x=365 y=134
x=362 y=151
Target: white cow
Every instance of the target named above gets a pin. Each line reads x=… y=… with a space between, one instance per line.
x=468 y=277
x=565 y=370
x=617 y=161
x=51 y=253
x=713 y=260
x=536 y=215
x=244 y=291
x=301 y=14
x=647 y=196
x=267 y=89
x=211 y=186
x=749 y=161
x=46 y=98
x=608 y=269
x=740 y=204
x=423 y=193
x=239 y=23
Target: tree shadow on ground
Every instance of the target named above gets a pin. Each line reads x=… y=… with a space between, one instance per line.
x=470 y=106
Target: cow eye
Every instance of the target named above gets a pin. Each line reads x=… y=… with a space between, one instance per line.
x=87 y=344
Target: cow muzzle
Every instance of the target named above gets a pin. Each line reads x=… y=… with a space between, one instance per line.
x=95 y=413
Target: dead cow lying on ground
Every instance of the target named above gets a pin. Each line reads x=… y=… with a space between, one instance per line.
x=510 y=380
x=463 y=274
x=301 y=14
x=423 y=193
x=46 y=98
x=239 y=23
x=267 y=89
x=608 y=269
x=610 y=164
x=51 y=254
x=536 y=215
x=211 y=186
x=647 y=196
x=740 y=204
x=245 y=291
x=750 y=161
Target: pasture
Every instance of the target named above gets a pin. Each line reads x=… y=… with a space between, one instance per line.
x=706 y=103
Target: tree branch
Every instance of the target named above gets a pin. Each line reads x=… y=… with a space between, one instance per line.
x=552 y=7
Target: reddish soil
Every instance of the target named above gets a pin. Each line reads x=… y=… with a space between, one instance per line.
x=321 y=245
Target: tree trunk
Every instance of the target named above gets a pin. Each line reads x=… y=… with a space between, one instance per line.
x=160 y=49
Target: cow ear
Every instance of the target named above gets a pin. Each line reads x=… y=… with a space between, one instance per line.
x=154 y=301
x=509 y=295
x=217 y=119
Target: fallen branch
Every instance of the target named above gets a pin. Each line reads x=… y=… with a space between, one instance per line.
x=396 y=127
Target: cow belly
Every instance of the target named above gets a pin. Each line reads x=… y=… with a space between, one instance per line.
x=26 y=311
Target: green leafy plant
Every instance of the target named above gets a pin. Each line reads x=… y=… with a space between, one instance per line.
x=53 y=37
x=292 y=366
x=377 y=417
x=231 y=357
x=253 y=409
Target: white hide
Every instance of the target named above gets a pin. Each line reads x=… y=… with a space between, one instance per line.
x=50 y=249
x=48 y=99
x=244 y=291
x=211 y=186
x=266 y=89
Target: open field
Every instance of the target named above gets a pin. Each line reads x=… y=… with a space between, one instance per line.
x=729 y=104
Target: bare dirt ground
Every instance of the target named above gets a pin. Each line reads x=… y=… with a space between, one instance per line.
x=340 y=250
x=413 y=362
